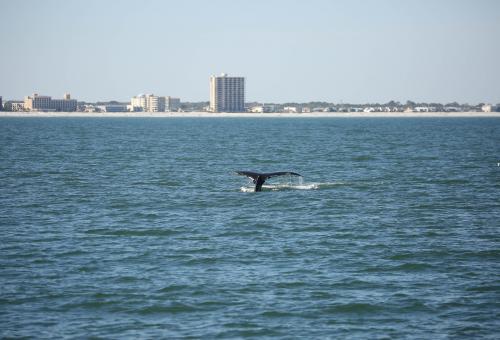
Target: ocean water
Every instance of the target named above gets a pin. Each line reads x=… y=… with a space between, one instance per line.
x=139 y=228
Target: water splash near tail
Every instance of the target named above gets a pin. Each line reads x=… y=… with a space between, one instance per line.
x=293 y=183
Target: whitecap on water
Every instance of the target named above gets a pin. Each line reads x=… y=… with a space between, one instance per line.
x=299 y=185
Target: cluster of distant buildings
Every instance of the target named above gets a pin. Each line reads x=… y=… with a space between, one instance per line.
x=304 y=108
x=227 y=94
x=140 y=103
x=38 y=103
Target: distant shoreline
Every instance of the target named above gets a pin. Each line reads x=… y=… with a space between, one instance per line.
x=251 y=115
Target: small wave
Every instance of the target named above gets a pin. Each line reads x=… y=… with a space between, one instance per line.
x=414 y=305
x=355 y=308
x=132 y=232
x=292 y=284
x=453 y=181
x=127 y=279
x=363 y=158
x=98 y=303
x=413 y=266
x=276 y=314
x=202 y=261
x=484 y=288
x=173 y=288
x=75 y=252
x=173 y=308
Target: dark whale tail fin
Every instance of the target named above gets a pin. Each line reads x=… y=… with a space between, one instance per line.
x=260 y=178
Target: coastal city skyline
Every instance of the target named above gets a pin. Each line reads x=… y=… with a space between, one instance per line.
x=228 y=98
x=227 y=95
x=334 y=51
x=236 y=101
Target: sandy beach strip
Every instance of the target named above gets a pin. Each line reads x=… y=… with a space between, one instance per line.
x=250 y=115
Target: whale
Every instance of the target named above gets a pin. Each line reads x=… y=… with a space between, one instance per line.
x=259 y=178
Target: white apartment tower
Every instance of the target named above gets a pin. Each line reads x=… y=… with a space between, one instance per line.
x=227 y=94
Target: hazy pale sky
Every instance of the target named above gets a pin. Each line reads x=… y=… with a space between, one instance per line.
x=326 y=50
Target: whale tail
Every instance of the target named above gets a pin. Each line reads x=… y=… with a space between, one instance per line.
x=260 y=178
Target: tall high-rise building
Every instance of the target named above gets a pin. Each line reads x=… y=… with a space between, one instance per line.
x=1 y=105
x=227 y=94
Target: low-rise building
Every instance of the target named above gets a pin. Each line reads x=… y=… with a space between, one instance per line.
x=37 y=103
x=14 y=105
x=138 y=103
x=172 y=104
x=152 y=103
x=64 y=105
x=147 y=103
x=89 y=108
x=262 y=108
x=46 y=103
x=112 y=108
x=291 y=109
x=486 y=108
x=131 y=108
x=257 y=109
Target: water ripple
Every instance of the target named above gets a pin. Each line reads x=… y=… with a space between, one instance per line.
x=137 y=228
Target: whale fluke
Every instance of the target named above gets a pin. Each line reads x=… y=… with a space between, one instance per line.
x=260 y=178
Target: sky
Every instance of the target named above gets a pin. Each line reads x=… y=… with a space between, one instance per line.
x=345 y=51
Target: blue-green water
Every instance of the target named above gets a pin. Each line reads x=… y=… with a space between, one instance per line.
x=137 y=228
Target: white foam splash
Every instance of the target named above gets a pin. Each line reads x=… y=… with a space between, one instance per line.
x=290 y=186
x=276 y=187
